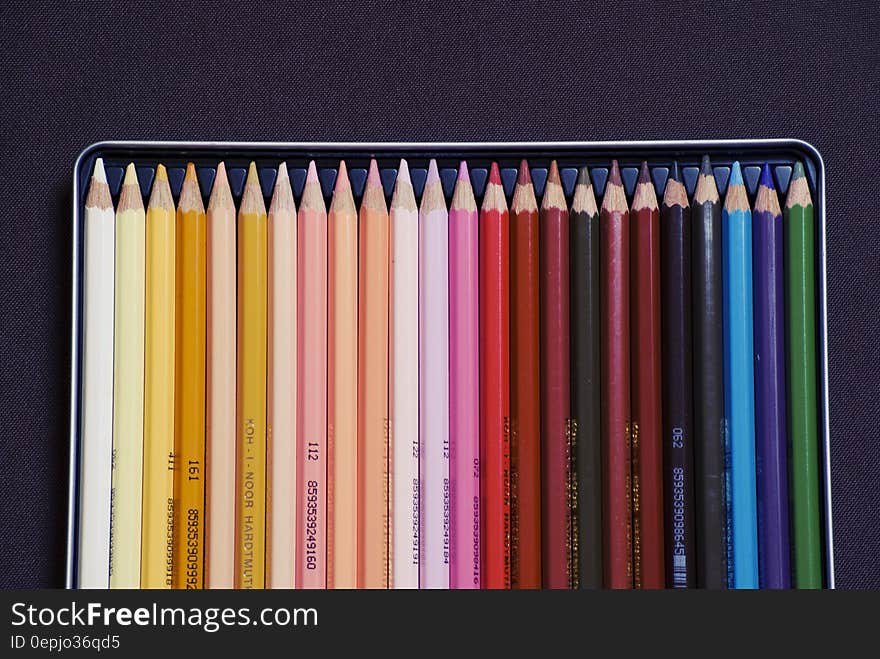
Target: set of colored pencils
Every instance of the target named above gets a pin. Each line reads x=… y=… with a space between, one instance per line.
x=422 y=394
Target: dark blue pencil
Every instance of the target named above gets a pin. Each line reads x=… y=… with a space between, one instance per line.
x=770 y=438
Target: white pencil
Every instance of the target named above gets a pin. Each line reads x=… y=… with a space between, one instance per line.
x=281 y=531
x=97 y=386
x=404 y=357
x=434 y=383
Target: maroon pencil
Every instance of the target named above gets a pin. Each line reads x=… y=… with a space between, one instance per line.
x=557 y=528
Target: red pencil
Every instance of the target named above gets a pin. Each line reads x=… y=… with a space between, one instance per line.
x=525 y=388
x=555 y=402
x=647 y=429
x=495 y=383
x=614 y=291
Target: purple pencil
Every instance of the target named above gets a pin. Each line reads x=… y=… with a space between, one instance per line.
x=770 y=438
x=464 y=419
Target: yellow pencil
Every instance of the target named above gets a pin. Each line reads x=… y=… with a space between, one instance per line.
x=251 y=408
x=189 y=389
x=128 y=388
x=157 y=541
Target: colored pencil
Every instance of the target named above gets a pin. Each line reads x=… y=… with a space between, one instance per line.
x=708 y=384
x=495 y=384
x=647 y=424
x=189 y=387
x=342 y=351
x=97 y=385
x=800 y=294
x=311 y=387
x=404 y=382
x=555 y=383
x=434 y=383
x=525 y=384
x=585 y=376
x=739 y=384
x=771 y=451
x=252 y=371
x=281 y=398
x=128 y=387
x=157 y=534
x=615 y=385
x=464 y=415
x=220 y=412
x=677 y=347
x=373 y=419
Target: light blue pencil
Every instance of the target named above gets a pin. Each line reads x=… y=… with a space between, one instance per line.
x=739 y=380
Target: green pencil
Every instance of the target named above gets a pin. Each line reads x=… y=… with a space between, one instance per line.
x=800 y=296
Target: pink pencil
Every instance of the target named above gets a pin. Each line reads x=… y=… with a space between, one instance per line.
x=311 y=390
x=464 y=419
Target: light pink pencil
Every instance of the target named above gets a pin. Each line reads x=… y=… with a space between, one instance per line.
x=464 y=419
x=311 y=501
x=281 y=526
x=434 y=383
x=404 y=218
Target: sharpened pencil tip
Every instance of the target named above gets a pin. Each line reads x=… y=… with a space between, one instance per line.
x=463 y=172
x=584 y=177
x=312 y=176
x=190 y=172
x=798 y=171
x=130 y=175
x=99 y=174
x=706 y=166
x=433 y=173
x=524 y=177
x=767 y=177
x=282 y=170
x=494 y=174
x=614 y=174
x=736 y=175
x=252 y=177
x=221 y=169
x=161 y=173
x=403 y=171
x=553 y=174
x=674 y=172
x=342 y=182
x=373 y=176
x=644 y=174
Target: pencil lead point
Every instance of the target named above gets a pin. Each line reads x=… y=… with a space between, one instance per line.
x=767 y=177
x=584 y=177
x=433 y=173
x=99 y=174
x=524 y=177
x=130 y=175
x=644 y=174
x=553 y=174
x=252 y=177
x=312 y=176
x=674 y=172
x=706 y=166
x=614 y=174
x=342 y=182
x=403 y=171
x=463 y=172
x=494 y=174
x=161 y=173
x=736 y=177
x=190 y=172
x=373 y=176
x=798 y=171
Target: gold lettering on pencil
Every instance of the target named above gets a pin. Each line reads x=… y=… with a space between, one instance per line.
x=571 y=428
x=636 y=509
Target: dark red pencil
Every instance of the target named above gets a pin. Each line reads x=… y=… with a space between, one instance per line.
x=555 y=402
x=647 y=430
x=495 y=383
x=525 y=386
x=615 y=389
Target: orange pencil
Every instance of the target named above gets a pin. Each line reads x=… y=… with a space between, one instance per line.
x=311 y=390
x=342 y=387
x=373 y=428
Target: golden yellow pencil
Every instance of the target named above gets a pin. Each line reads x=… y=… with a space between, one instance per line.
x=128 y=388
x=189 y=388
x=251 y=404
x=157 y=536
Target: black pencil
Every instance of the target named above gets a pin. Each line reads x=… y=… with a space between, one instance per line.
x=675 y=294
x=708 y=384
x=585 y=412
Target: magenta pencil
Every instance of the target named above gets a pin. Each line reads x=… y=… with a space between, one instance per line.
x=464 y=418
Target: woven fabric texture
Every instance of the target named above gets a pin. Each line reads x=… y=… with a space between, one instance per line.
x=73 y=75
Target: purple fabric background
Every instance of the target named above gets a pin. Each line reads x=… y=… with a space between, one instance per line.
x=340 y=71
